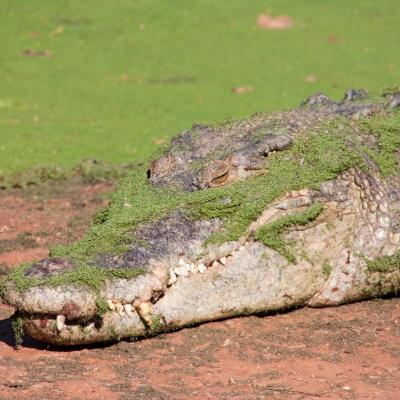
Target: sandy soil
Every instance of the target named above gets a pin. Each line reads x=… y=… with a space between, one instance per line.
x=33 y=220
x=348 y=352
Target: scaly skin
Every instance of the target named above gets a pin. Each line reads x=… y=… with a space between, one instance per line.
x=188 y=279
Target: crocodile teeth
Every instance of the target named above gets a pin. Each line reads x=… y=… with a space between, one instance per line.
x=145 y=308
x=181 y=262
x=215 y=264
x=187 y=267
x=60 y=322
x=119 y=309
x=91 y=325
x=172 y=277
x=222 y=260
x=111 y=305
x=128 y=310
x=202 y=268
x=145 y=311
x=181 y=271
x=193 y=269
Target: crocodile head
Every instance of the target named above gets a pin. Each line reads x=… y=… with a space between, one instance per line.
x=210 y=156
x=273 y=211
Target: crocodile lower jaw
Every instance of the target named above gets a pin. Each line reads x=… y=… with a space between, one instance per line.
x=124 y=317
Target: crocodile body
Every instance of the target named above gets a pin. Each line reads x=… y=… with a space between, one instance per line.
x=297 y=208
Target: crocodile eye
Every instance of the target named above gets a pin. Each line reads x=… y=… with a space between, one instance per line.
x=218 y=180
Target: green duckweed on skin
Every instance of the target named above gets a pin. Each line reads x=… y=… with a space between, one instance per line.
x=386 y=128
x=326 y=269
x=18 y=330
x=272 y=234
x=101 y=306
x=157 y=324
x=384 y=263
x=83 y=275
x=320 y=156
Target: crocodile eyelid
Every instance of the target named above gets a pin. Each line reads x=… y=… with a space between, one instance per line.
x=221 y=178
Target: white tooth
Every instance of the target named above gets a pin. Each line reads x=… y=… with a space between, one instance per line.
x=215 y=264
x=172 y=277
x=241 y=248
x=222 y=260
x=120 y=309
x=234 y=253
x=181 y=262
x=202 y=268
x=187 y=267
x=145 y=308
x=128 y=310
x=111 y=305
x=193 y=269
x=60 y=322
x=181 y=271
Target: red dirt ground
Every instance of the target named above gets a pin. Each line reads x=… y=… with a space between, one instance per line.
x=348 y=352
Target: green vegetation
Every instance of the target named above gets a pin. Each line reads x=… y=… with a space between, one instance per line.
x=326 y=269
x=100 y=79
x=83 y=275
x=315 y=158
x=157 y=324
x=114 y=335
x=386 y=130
x=385 y=263
x=102 y=306
x=239 y=204
x=18 y=330
x=271 y=234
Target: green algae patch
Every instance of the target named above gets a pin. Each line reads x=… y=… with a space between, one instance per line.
x=386 y=130
x=21 y=282
x=272 y=234
x=157 y=324
x=83 y=275
x=101 y=307
x=385 y=263
x=17 y=325
x=134 y=202
x=316 y=156
x=326 y=269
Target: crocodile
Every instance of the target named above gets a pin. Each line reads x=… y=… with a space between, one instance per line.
x=270 y=212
